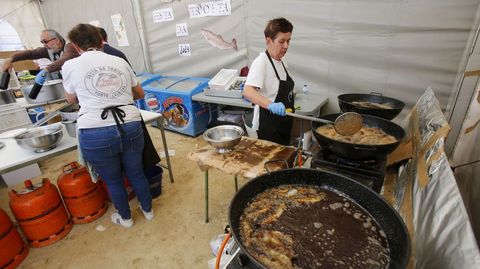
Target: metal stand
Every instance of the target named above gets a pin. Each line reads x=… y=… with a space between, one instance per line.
x=160 y=122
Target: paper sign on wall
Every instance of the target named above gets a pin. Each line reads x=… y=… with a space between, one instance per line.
x=181 y=29
x=95 y=23
x=184 y=50
x=162 y=15
x=212 y=8
x=120 y=31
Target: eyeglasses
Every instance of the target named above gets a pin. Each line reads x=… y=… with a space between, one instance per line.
x=46 y=41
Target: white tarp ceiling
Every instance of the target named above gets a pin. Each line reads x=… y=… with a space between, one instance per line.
x=24 y=16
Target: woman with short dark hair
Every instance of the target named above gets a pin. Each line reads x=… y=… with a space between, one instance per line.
x=109 y=127
x=270 y=87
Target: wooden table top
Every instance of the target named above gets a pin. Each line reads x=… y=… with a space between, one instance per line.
x=247 y=159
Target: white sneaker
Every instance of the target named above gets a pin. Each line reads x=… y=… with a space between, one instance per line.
x=117 y=219
x=148 y=215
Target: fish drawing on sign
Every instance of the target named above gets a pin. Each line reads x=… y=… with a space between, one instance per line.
x=218 y=42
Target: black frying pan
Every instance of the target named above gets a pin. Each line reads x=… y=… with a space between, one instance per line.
x=388 y=219
x=345 y=101
x=356 y=151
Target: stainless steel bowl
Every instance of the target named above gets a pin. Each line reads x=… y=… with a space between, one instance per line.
x=224 y=137
x=40 y=139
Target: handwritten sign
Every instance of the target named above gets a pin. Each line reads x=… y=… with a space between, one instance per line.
x=181 y=29
x=184 y=50
x=212 y=8
x=162 y=15
x=120 y=31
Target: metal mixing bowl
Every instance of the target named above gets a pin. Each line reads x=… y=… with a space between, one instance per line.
x=223 y=137
x=40 y=139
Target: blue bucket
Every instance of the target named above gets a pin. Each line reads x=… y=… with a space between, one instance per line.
x=154 y=176
x=36 y=114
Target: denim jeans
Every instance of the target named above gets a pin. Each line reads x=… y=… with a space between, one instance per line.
x=113 y=156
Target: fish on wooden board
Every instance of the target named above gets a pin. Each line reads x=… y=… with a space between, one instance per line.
x=217 y=40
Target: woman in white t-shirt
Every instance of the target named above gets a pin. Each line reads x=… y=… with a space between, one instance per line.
x=270 y=87
x=109 y=125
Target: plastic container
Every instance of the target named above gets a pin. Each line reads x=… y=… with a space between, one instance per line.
x=235 y=90
x=36 y=114
x=13 y=116
x=174 y=98
x=223 y=79
x=154 y=176
x=305 y=88
x=247 y=119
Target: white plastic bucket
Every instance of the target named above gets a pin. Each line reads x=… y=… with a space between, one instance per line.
x=247 y=120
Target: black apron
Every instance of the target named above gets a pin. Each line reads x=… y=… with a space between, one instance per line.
x=273 y=127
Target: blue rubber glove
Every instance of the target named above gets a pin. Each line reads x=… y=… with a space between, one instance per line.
x=277 y=108
x=40 y=78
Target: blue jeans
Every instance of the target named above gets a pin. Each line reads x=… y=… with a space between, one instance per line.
x=111 y=154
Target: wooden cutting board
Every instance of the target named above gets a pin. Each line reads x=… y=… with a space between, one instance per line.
x=247 y=159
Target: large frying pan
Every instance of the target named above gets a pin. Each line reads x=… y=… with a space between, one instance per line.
x=388 y=219
x=357 y=151
x=346 y=105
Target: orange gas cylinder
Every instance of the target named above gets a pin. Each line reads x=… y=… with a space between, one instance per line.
x=84 y=199
x=12 y=248
x=40 y=213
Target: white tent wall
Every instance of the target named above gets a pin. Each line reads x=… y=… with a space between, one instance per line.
x=205 y=60
x=63 y=15
x=397 y=48
x=25 y=17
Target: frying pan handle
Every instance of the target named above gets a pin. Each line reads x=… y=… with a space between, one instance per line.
x=274 y=161
x=365 y=148
x=376 y=93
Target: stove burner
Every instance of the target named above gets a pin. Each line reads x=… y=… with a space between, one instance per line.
x=368 y=172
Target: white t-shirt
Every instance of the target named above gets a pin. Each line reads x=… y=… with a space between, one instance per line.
x=100 y=80
x=263 y=76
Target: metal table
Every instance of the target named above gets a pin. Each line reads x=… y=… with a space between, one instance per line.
x=310 y=104
x=12 y=156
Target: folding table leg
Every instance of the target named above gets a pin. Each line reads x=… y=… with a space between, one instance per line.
x=206 y=196
x=165 y=147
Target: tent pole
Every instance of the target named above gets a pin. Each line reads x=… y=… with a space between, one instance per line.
x=42 y=13
x=141 y=30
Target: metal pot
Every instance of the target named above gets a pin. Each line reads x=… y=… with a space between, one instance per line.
x=51 y=90
x=7 y=97
x=357 y=151
x=71 y=127
x=387 y=218
x=347 y=102
x=70 y=113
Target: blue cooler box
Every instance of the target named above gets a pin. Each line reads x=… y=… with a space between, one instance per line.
x=143 y=79
x=172 y=96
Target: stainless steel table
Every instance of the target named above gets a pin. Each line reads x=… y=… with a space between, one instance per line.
x=310 y=104
x=12 y=156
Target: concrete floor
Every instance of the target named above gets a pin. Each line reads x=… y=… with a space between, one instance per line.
x=177 y=237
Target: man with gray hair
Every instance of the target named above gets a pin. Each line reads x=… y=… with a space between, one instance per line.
x=54 y=48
